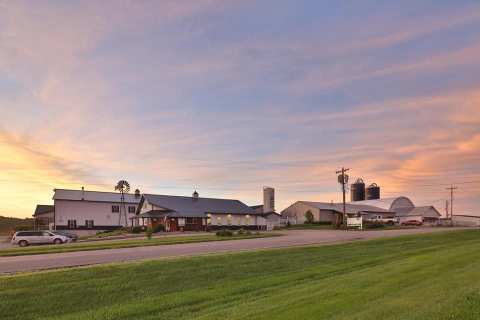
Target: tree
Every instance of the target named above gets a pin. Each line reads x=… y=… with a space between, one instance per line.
x=123 y=187
x=309 y=217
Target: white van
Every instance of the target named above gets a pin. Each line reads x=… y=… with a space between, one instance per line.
x=25 y=238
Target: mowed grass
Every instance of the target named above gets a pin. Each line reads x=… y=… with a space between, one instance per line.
x=434 y=276
x=115 y=244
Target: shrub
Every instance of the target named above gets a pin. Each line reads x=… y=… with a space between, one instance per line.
x=241 y=231
x=149 y=232
x=248 y=232
x=309 y=217
x=159 y=228
x=137 y=229
x=374 y=225
x=224 y=233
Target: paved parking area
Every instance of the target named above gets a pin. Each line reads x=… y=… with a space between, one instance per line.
x=290 y=239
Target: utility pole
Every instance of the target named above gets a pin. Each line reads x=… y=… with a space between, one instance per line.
x=343 y=180
x=446 y=209
x=451 y=188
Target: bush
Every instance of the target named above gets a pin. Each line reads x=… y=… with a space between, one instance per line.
x=309 y=217
x=374 y=225
x=159 y=228
x=241 y=231
x=149 y=232
x=137 y=229
x=224 y=233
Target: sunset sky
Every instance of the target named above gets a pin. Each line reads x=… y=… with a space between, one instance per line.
x=228 y=96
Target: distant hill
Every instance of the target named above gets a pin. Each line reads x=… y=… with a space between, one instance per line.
x=7 y=224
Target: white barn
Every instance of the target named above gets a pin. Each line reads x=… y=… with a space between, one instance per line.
x=92 y=210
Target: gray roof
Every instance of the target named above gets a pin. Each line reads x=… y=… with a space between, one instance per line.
x=426 y=212
x=96 y=196
x=387 y=203
x=43 y=208
x=349 y=207
x=199 y=207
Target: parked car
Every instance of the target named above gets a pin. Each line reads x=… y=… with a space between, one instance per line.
x=25 y=238
x=68 y=234
x=412 y=223
x=381 y=220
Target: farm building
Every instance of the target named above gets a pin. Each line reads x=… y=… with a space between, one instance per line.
x=179 y=213
x=92 y=210
x=44 y=216
x=324 y=212
x=404 y=209
x=466 y=220
x=401 y=208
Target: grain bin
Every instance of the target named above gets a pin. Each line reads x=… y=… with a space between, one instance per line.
x=357 y=190
x=373 y=192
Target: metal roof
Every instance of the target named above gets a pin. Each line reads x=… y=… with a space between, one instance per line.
x=43 y=208
x=390 y=204
x=426 y=212
x=349 y=207
x=95 y=196
x=197 y=207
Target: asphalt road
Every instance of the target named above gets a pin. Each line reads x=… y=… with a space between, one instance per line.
x=290 y=239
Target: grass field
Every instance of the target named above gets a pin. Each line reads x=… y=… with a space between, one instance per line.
x=115 y=244
x=425 y=277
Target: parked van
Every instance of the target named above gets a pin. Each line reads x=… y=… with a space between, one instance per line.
x=25 y=238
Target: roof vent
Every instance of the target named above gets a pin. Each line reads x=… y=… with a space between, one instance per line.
x=195 y=195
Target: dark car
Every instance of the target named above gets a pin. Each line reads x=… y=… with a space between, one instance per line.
x=68 y=234
x=412 y=223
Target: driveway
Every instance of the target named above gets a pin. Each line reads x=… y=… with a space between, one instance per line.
x=290 y=239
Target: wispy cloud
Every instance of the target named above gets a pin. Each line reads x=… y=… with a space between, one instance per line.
x=218 y=96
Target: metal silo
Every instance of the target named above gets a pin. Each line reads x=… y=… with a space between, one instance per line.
x=357 y=190
x=373 y=192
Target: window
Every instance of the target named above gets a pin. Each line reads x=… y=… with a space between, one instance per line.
x=131 y=209
x=72 y=224
x=193 y=220
x=89 y=224
x=115 y=209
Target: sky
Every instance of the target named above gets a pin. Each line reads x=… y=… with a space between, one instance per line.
x=226 y=97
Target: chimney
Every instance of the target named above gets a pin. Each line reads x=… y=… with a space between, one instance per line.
x=137 y=193
x=195 y=195
x=268 y=199
x=83 y=193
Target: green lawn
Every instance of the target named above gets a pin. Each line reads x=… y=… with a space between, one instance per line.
x=424 y=277
x=114 y=244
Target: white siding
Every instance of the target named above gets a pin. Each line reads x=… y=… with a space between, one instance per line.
x=236 y=220
x=298 y=209
x=100 y=212
x=466 y=221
